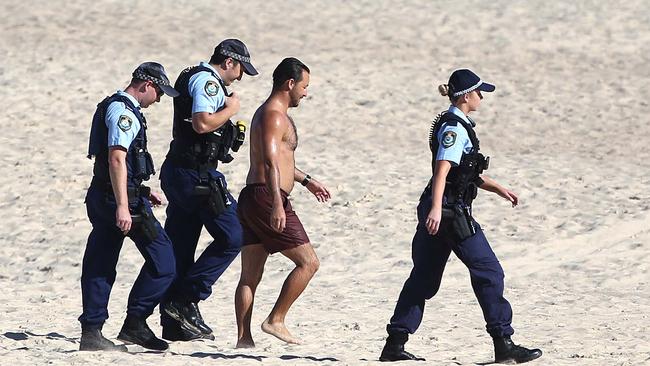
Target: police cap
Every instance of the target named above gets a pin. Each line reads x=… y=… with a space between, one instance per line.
x=236 y=50
x=463 y=81
x=155 y=72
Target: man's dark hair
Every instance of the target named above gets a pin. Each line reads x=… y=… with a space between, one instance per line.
x=289 y=68
x=135 y=81
x=218 y=58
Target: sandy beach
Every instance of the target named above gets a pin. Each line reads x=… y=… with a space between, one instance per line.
x=567 y=129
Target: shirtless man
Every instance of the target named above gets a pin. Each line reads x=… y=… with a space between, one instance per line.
x=270 y=224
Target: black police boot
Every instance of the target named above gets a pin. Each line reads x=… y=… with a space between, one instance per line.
x=394 y=349
x=93 y=340
x=137 y=331
x=188 y=314
x=173 y=331
x=505 y=351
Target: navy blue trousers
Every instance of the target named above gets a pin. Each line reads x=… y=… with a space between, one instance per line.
x=430 y=254
x=186 y=216
x=100 y=259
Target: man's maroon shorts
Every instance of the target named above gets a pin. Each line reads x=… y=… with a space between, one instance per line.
x=254 y=211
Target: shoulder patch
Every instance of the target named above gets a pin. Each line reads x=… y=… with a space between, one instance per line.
x=124 y=123
x=211 y=88
x=448 y=139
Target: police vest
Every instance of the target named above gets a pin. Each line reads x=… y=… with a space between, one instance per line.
x=139 y=165
x=191 y=149
x=464 y=179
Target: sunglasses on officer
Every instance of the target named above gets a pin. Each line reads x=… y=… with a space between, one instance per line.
x=159 y=91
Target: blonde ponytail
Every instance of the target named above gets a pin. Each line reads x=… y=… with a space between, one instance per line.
x=443 y=89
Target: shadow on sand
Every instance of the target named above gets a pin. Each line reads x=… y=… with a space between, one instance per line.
x=21 y=336
x=258 y=358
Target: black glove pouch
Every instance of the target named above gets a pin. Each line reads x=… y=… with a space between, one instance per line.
x=143 y=225
x=143 y=165
x=216 y=195
x=462 y=223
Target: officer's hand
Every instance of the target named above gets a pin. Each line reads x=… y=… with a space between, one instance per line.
x=433 y=220
x=278 y=218
x=123 y=218
x=509 y=195
x=233 y=102
x=155 y=199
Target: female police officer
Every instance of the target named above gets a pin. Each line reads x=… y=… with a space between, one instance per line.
x=445 y=224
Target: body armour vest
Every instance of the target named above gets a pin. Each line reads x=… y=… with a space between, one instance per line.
x=139 y=165
x=464 y=179
x=187 y=144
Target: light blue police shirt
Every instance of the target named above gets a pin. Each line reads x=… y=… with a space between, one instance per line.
x=453 y=141
x=123 y=125
x=206 y=91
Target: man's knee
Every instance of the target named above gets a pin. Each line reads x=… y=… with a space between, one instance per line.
x=304 y=257
x=251 y=277
x=312 y=264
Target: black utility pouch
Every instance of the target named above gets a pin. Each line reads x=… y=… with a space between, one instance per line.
x=201 y=190
x=143 y=167
x=149 y=163
x=462 y=224
x=143 y=224
x=144 y=191
x=218 y=199
x=216 y=194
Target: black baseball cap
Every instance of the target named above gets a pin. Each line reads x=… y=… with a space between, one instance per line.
x=236 y=50
x=155 y=73
x=463 y=81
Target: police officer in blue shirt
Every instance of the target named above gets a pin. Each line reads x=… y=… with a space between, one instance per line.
x=198 y=195
x=118 y=206
x=446 y=224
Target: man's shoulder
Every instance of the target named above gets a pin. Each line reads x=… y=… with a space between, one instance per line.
x=117 y=108
x=205 y=82
x=203 y=74
x=269 y=116
x=116 y=104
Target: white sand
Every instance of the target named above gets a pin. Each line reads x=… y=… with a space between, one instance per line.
x=567 y=130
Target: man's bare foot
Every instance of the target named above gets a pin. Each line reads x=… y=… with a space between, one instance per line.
x=245 y=343
x=280 y=331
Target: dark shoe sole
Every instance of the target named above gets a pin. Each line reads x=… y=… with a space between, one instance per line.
x=513 y=361
x=129 y=340
x=383 y=358
x=116 y=348
x=184 y=338
x=400 y=359
x=185 y=325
